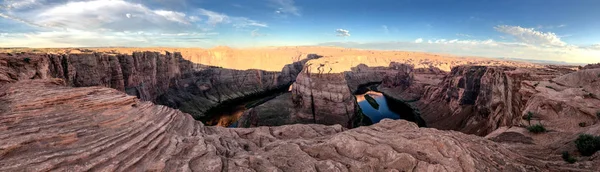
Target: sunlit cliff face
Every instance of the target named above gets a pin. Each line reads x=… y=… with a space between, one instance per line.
x=374 y=94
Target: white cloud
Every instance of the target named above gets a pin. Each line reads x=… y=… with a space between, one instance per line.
x=531 y=36
x=100 y=15
x=112 y=23
x=173 y=16
x=484 y=48
x=464 y=35
x=20 y=4
x=420 y=40
x=342 y=33
x=194 y=18
x=241 y=22
x=385 y=29
x=214 y=18
x=79 y=38
x=255 y=33
x=285 y=7
x=457 y=41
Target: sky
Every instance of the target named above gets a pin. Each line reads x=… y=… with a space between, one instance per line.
x=551 y=30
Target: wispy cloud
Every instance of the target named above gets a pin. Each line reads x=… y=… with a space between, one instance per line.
x=214 y=18
x=419 y=40
x=342 y=33
x=464 y=35
x=285 y=7
x=20 y=4
x=485 y=48
x=256 y=33
x=385 y=29
x=550 y=26
x=112 y=22
x=531 y=36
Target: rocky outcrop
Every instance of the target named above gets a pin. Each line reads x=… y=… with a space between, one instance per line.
x=324 y=95
x=322 y=98
x=143 y=74
x=566 y=103
x=165 y=79
x=48 y=126
x=474 y=99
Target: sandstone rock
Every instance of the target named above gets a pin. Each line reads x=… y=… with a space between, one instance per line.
x=143 y=74
x=322 y=98
x=166 y=79
x=47 y=126
x=474 y=99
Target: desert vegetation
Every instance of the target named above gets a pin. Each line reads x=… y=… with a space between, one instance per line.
x=587 y=144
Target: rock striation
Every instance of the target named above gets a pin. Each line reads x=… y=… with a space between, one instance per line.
x=166 y=79
x=49 y=126
x=323 y=95
x=143 y=74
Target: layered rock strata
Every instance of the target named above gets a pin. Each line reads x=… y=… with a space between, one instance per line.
x=166 y=79
x=48 y=126
x=323 y=96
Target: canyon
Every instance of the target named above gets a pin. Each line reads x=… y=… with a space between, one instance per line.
x=129 y=109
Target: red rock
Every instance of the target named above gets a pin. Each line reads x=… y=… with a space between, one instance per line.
x=47 y=126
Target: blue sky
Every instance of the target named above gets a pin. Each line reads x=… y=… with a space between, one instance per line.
x=556 y=30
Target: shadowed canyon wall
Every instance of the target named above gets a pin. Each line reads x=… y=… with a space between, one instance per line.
x=166 y=79
x=68 y=124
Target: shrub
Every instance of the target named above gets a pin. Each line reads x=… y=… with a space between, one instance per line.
x=528 y=117
x=568 y=158
x=587 y=144
x=27 y=59
x=547 y=86
x=536 y=84
x=537 y=128
x=598 y=114
x=582 y=124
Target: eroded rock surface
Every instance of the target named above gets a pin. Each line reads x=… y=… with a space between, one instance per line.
x=166 y=79
x=49 y=126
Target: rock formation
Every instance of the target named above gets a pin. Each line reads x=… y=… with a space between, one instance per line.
x=75 y=112
x=166 y=79
x=323 y=95
x=48 y=126
x=143 y=74
x=322 y=98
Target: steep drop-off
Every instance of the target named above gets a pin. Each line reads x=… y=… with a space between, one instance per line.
x=166 y=79
x=324 y=96
x=48 y=126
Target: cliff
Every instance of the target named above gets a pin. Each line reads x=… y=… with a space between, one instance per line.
x=143 y=74
x=48 y=126
x=166 y=79
x=324 y=93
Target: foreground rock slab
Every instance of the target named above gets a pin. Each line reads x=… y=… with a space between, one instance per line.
x=45 y=125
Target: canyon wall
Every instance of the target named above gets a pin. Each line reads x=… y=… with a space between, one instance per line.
x=323 y=95
x=49 y=126
x=480 y=99
x=143 y=74
x=166 y=79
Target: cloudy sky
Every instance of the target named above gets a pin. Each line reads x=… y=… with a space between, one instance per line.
x=556 y=30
